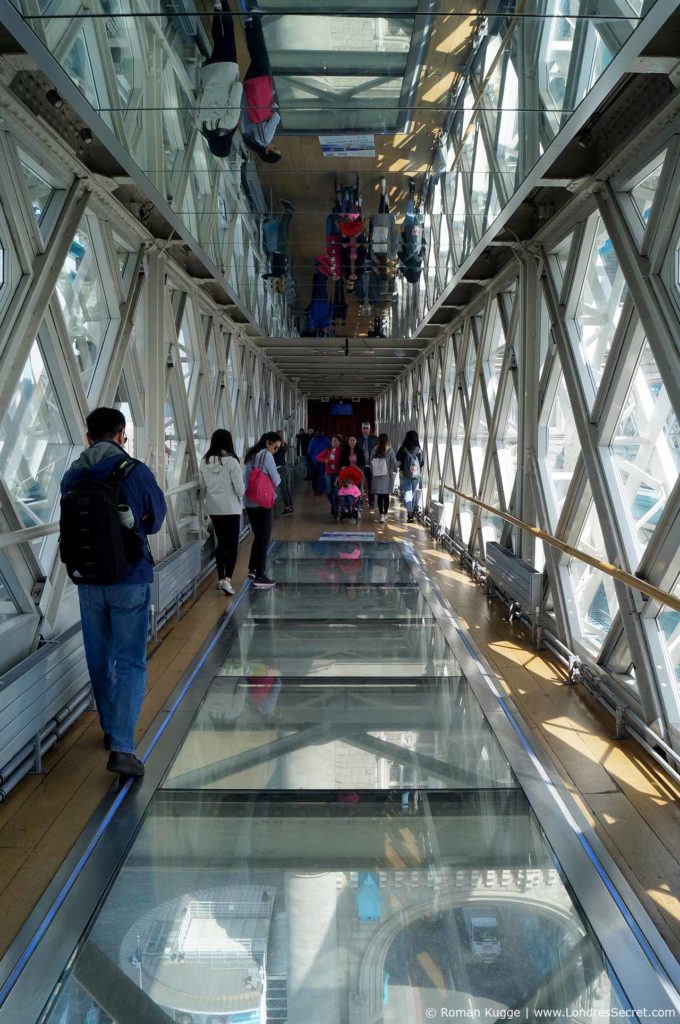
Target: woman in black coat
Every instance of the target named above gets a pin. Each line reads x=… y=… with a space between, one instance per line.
x=410 y=459
x=352 y=454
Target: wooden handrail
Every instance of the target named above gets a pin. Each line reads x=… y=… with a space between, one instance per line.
x=669 y=600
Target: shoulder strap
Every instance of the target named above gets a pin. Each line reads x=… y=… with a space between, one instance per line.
x=123 y=469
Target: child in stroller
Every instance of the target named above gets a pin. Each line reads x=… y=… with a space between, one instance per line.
x=349 y=492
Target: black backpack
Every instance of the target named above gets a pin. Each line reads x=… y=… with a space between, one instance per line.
x=412 y=465
x=94 y=545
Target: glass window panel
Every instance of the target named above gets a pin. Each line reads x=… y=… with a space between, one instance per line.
x=600 y=303
x=669 y=624
x=561 y=254
x=622 y=665
x=545 y=339
x=480 y=186
x=200 y=432
x=83 y=302
x=646 y=448
x=466 y=515
x=450 y=373
x=8 y=606
x=461 y=229
x=186 y=508
x=121 y=35
x=39 y=191
x=122 y=402
x=171 y=440
x=491 y=525
x=494 y=358
x=78 y=67
x=563 y=445
x=470 y=362
x=600 y=58
x=507 y=144
x=558 y=40
x=595 y=595
x=644 y=192
x=187 y=354
x=34 y=443
x=479 y=437
x=507 y=444
x=123 y=253
x=457 y=439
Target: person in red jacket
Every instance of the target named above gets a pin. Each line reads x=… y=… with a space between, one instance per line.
x=260 y=116
x=331 y=457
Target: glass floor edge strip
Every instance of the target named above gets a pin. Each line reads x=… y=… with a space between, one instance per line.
x=586 y=864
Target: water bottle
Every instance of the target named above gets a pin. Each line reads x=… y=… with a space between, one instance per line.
x=126 y=516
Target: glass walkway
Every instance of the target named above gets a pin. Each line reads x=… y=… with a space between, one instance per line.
x=342 y=821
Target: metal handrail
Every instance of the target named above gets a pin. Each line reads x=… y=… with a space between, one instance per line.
x=30 y=533
x=182 y=487
x=7 y=540
x=662 y=596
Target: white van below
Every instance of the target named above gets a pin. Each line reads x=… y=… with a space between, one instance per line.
x=483 y=933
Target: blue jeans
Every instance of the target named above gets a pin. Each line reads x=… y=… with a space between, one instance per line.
x=115 y=621
x=332 y=492
x=319 y=472
x=345 y=503
x=409 y=492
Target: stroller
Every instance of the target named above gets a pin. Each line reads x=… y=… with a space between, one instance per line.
x=349 y=493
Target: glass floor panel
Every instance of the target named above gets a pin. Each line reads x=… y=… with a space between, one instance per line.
x=335 y=571
x=339 y=649
x=386 y=910
x=263 y=733
x=291 y=601
x=375 y=551
x=337 y=835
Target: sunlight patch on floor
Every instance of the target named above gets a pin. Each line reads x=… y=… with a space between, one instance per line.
x=666 y=899
x=568 y=732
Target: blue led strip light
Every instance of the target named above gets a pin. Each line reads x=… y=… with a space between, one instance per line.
x=77 y=870
x=573 y=824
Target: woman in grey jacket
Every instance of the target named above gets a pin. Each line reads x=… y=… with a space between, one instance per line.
x=384 y=469
x=222 y=488
x=219 y=107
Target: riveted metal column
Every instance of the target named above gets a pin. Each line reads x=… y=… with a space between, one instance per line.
x=527 y=347
x=154 y=399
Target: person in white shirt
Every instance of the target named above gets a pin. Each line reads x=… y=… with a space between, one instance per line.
x=222 y=488
x=219 y=107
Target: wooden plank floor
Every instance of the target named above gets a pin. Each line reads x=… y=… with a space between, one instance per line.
x=633 y=808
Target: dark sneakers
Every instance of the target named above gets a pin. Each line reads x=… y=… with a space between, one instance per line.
x=128 y=765
x=263 y=581
x=107 y=740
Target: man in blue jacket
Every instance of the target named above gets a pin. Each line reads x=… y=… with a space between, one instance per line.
x=318 y=444
x=115 y=616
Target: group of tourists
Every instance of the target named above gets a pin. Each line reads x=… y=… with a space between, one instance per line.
x=363 y=258
x=111 y=503
x=353 y=470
